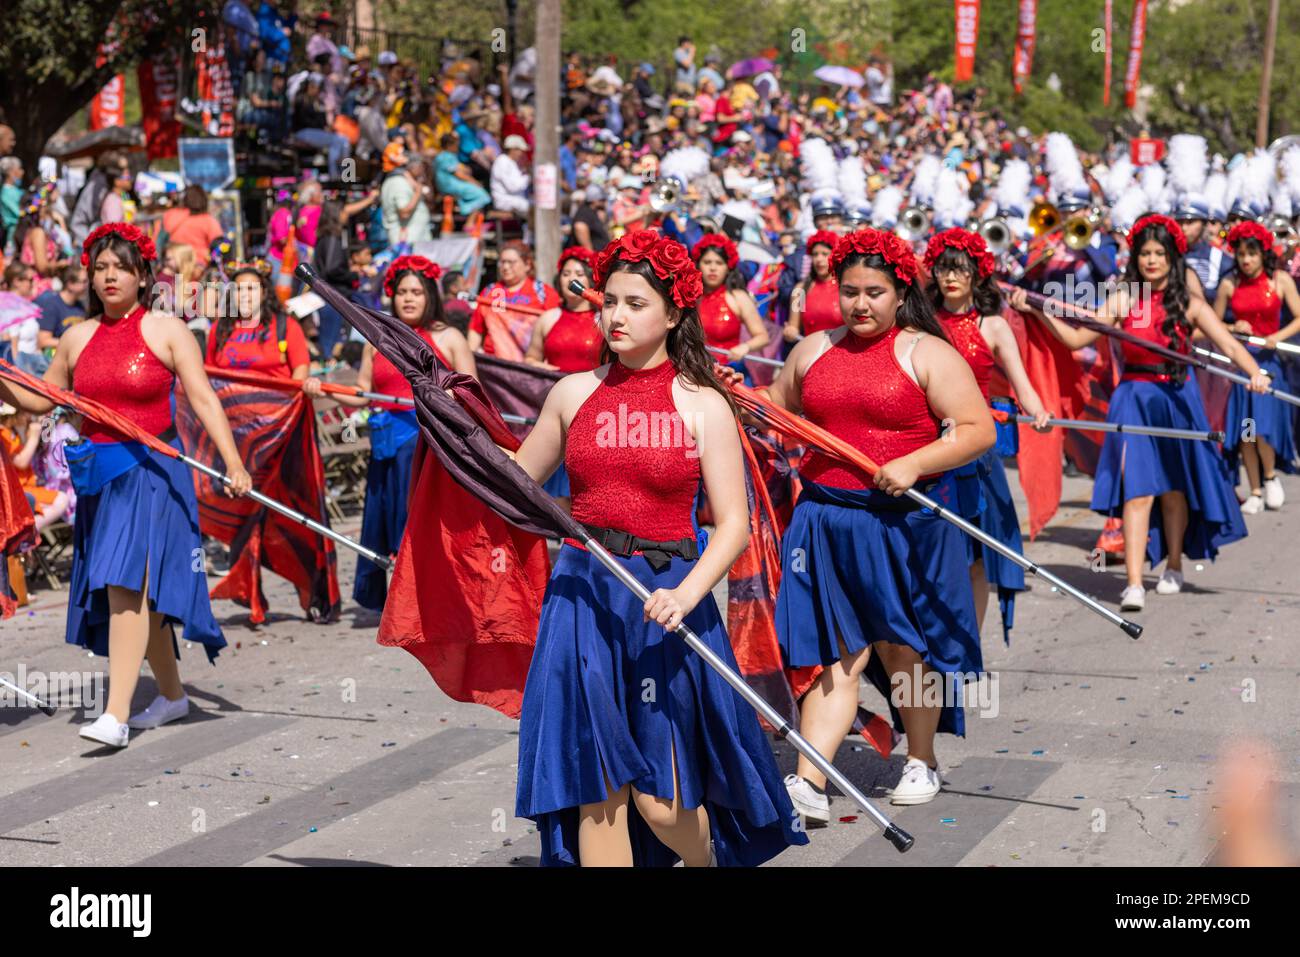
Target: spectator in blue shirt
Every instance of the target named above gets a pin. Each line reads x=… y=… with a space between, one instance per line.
x=275 y=31
x=569 y=158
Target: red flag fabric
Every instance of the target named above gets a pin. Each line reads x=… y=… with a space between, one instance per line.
x=108 y=108
x=468 y=610
x=1026 y=35
x=968 y=28
x=1137 y=38
x=17 y=529
x=216 y=92
x=1105 y=76
x=158 y=76
x=1059 y=382
x=276 y=437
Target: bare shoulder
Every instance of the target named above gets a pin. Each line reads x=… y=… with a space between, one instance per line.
x=568 y=395
x=162 y=324
x=809 y=348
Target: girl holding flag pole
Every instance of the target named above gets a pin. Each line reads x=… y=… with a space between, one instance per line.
x=1198 y=511
x=137 y=567
x=412 y=284
x=871 y=583
x=967 y=304
x=632 y=749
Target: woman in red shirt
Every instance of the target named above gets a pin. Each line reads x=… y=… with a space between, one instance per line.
x=816 y=306
x=248 y=333
x=503 y=332
x=412 y=282
x=727 y=307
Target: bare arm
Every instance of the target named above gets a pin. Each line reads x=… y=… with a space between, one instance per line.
x=543 y=450
x=456 y=348
x=747 y=310
x=785 y=391
x=1071 y=337
x=1203 y=317
x=953 y=396
x=1222 y=298
x=187 y=363
x=1287 y=290
x=312 y=385
x=1006 y=351
x=537 y=343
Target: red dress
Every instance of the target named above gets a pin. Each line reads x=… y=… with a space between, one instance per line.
x=822 y=307
x=387 y=380
x=118 y=369
x=632 y=463
x=964 y=333
x=858 y=391
x=574 y=343
x=721 y=326
x=1255 y=301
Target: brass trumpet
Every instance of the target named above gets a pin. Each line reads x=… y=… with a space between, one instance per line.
x=1282 y=230
x=1077 y=228
x=667 y=195
x=996 y=234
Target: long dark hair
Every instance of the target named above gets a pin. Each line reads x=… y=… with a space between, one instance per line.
x=1176 y=298
x=586 y=269
x=129 y=254
x=807 y=284
x=269 y=312
x=916 y=311
x=331 y=218
x=685 y=340
x=985 y=295
x=434 y=316
x=1245 y=244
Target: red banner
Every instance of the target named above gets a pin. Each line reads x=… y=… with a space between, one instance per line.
x=968 y=29
x=1132 y=76
x=158 y=87
x=1145 y=150
x=1105 y=78
x=216 y=92
x=108 y=108
x=1026 y=34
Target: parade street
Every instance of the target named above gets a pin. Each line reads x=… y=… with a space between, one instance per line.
x=312 y=745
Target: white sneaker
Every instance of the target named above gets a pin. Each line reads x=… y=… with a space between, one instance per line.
x=814 y=808
x=1252 y=506
x=919 y=785
x=713 y=856
x=106 y=729
x=160 y=712
x=1133 y=599
x=1171 y=583
x=1273 y=494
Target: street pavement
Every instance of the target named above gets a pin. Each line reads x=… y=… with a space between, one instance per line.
x=311 y=745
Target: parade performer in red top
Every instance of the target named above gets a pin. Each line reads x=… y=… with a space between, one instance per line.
x=727 y=311
x=1198 y=512
x=631 y=749
x=137 y=529
x=869 y=581
x=1259 y=428
x=815 y=303
x=412 y=283
x=968 y=306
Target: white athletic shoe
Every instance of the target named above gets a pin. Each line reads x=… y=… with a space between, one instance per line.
x=919 y=785
x=1171 y=583
x=160 y=712
x=1133 y=599
x=1252 y=506
x=106 y=729
x=1273 y=494
x=713 y=856
x=814 y=808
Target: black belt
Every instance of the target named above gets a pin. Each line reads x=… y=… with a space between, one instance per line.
x=658 y=554
x=1175 y=370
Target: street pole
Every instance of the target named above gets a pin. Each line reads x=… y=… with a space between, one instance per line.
x=1266 y=78
x=547 y=188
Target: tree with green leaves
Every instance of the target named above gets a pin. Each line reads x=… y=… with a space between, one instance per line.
x=57 y=54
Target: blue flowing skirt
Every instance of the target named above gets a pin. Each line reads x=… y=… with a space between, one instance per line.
x=611 y=697
x=867 y=567
x=1272 y=417
x=383 y=520
x=986 y=502
x=144 y=519
x=1132 y=466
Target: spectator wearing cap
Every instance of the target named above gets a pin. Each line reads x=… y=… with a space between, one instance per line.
x=1209 y=262
x=322 y=41
x=509 y=181
x=641 y=80
x=275 y=30
x=712 y=60
x=454 y=178
x=589 y=228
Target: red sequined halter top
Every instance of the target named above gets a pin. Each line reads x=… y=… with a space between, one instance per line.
x=1255 y=301
x=858 y=391
x=574 y=342
x=721 y=325
x=117 y=368
x=964 y=332
x=633 y=464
